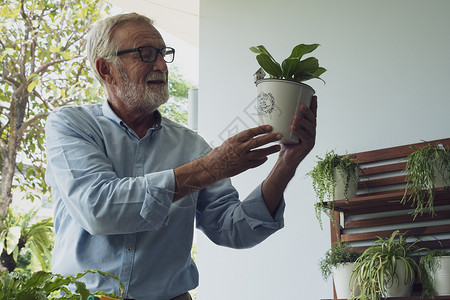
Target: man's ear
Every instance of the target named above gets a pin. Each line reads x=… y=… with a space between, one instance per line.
x=105 y=71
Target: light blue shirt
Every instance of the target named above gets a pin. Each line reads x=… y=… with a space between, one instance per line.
x=113 y=204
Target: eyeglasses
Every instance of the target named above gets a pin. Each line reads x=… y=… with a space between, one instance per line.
x=149 y=54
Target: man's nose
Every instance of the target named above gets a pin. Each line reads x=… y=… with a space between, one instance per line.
x=159 y=64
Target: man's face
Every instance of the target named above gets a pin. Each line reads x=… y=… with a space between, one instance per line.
x=141 y=85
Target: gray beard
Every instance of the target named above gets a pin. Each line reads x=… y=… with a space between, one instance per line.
x=140 y=97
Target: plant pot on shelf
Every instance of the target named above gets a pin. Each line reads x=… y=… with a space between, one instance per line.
x=436 y=268
x=346 y=184
x=335 y=177
x=278 y=101
x=344 y=284
x=399 y=285
x=426 y=169
x=388 y=268
x=339 y=262
x=441 y=276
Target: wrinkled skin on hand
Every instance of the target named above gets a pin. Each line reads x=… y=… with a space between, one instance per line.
x=304 y=128
x=242 y=152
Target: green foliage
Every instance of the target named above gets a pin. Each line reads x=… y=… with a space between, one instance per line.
x=42 y=66
x=292 y=68
x=429 y=263
x=176 y=108
x=45 y=285
x=422 y=166
x=375 y=268
x=19 y=233
x=324 y=181
x=339 y=253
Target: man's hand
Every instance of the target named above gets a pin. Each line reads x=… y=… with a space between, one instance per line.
x=242 y=152
x=237 y=154
x=304 y=128
x=291 y=155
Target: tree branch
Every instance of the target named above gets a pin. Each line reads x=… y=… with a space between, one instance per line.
x=30 y=122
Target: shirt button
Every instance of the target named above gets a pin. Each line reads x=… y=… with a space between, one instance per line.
x=137 y=175
x=129 y=250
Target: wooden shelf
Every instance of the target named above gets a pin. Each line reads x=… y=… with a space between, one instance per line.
x=377 y=211
x=409 y=298
x=383 y=201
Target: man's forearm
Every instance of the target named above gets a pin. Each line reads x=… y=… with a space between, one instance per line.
x=274 y=186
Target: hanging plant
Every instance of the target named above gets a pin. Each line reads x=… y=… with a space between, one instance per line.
x=423 y=168
x=324 y=179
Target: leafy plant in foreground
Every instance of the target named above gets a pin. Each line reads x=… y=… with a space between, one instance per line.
x=45 y=285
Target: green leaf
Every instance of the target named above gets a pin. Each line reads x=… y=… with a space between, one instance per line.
x=66 y=54
x=303 y=49
x=271 y=67
x=262 y=50
x=12 y=239
x=32 y=85
x=54 y=48
x=309 y=65
x=289 y=67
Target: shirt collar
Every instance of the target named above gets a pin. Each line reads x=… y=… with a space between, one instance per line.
x=109 y=113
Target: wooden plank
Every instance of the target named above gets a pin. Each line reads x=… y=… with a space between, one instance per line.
x=382 y=182
x=335 y=231
x=393 y=167
x=395 y=220
x=394 y=152
x=441 y=244
x=383 y=201
x=416 y=231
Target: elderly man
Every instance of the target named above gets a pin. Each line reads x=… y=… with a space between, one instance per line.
x=128 y=183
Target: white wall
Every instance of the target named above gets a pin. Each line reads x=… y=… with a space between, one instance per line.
x=387 y=85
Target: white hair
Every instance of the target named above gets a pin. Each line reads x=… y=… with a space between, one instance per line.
x=100 y=42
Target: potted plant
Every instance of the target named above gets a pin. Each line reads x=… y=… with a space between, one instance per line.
x=387 y=268
x=339 y=262
x=334 y=177
x=435 y=266
x=426 y=169
x=45 y=285
x=280 y=95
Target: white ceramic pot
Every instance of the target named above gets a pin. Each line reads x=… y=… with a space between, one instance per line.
x=441 y=276
x=339 y=190
x=278 y=100
x=342 y=275
x=439 y=181
x=397 y=287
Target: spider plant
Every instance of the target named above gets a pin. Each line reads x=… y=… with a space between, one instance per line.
x=375 y=270
x=423 y=167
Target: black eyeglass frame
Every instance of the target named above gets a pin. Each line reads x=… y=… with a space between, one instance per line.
x=158 y=51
